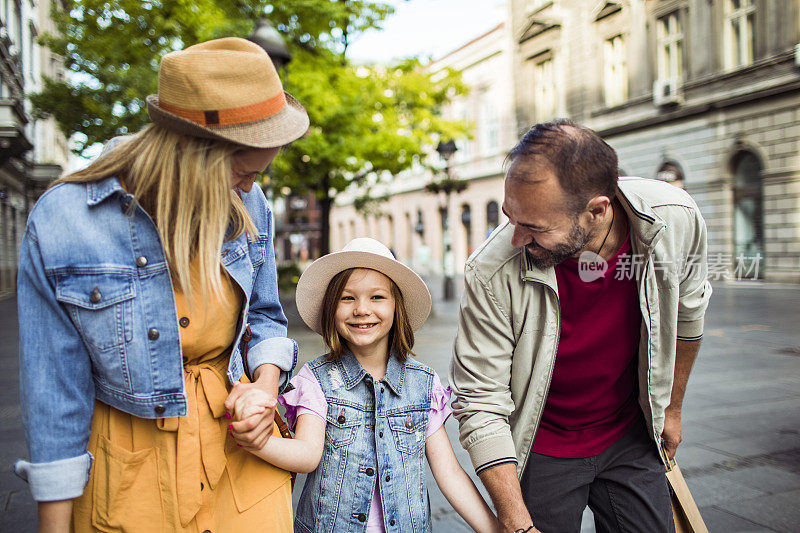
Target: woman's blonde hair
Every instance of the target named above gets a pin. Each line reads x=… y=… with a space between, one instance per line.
x=401 y=336
x=184 y=184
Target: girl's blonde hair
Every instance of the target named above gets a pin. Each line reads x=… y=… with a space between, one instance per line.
x=401 y=336
x=184 y=184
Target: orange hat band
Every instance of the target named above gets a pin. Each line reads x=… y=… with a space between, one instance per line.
x=230 y=117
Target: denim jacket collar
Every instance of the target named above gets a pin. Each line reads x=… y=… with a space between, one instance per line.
x=353 y=372
x=97 y=191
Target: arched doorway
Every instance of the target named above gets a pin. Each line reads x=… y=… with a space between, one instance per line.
x=466 y=221
x=748 y=209
x=492 y=216
x=671 y=173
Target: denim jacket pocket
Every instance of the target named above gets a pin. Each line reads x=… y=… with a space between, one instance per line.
x=343 y=421
x=100 y=305
x=257 y=249
x=408 y=430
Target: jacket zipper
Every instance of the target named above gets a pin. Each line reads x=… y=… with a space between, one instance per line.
x=549 y=375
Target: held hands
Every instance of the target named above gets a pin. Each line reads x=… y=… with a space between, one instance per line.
x=253 y=411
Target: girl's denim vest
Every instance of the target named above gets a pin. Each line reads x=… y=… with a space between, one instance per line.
x=375 y=433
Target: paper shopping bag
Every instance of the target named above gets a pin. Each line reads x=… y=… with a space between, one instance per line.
x=684 y=509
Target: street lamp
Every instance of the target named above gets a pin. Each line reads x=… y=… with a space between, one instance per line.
x=267 y=37
x=446 y=185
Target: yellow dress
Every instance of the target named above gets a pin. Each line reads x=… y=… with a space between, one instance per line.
x=184 y=473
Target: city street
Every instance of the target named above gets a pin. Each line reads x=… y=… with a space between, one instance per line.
x=741 y=450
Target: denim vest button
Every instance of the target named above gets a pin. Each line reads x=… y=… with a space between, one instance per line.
x=362 y=517
x=387 y=478
x=152 y=334
x=159 y=409
x=391 y=522
x=141 y=261
x=341 y=419
x=95 y=296
x=184 y=322
x=409 y=424
x=380 y=434
x=370 y=472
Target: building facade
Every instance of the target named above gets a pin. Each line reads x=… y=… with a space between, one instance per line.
x=412 y=221
x=702 y=94
x=32 y=151
x=705 y=95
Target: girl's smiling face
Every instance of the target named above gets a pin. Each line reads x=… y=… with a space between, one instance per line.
x=365 y=313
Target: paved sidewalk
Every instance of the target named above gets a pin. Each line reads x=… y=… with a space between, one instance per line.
x=741 y=454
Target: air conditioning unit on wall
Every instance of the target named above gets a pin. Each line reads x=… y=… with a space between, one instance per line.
x=666 y=91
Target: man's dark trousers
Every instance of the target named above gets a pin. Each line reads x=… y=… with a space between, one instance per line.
x=624 y=486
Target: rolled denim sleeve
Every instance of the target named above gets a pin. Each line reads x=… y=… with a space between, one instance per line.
x=56 y=388
x=268 y=323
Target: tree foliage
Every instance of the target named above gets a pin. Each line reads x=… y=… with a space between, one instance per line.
x=366 y=121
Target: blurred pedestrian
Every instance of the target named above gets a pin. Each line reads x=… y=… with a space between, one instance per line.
x=138 y=278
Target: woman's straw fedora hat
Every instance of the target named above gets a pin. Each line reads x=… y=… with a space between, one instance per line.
x=226 y=89
x=360 y=253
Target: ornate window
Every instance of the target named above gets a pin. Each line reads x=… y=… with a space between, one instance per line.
x=670 y=47
x=615 y=71
x=738 y=33
x=544 y=90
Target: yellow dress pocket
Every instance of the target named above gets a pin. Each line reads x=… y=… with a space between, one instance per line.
x=127 y=492
x=253 y=479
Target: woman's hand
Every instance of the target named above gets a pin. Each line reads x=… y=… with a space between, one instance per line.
x=252 y=433
x=253 y=401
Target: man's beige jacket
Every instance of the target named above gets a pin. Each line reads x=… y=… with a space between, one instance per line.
x=509 y=323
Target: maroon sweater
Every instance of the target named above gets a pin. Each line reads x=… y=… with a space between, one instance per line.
x=592 y=398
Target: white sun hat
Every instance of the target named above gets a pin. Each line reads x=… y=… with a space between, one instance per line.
x=360 y=253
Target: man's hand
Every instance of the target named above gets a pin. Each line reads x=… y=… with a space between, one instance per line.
x=672 y=434
x=253 y=432
x=503 y=486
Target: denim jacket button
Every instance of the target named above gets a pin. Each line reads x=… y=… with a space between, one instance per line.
x=95 y=296
x=341 y=419
x=141 y=261
x=387 y=478
x=184 y=322
x=370 y=472
x=152 y=334
x=362 y=517
x=391 y=522
x=159 y=409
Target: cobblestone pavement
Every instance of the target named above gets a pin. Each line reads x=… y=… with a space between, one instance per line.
x=741 y=450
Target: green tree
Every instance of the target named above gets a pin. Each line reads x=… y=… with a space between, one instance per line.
x=367 y=121
x=368 y=124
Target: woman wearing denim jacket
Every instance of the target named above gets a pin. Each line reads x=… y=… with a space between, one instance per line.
x=138 y=277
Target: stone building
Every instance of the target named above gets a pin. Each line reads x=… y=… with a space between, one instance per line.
x=411 y=222
x=32 y=151
x=703 y=94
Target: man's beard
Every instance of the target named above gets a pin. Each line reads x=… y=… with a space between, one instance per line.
x=543 y=258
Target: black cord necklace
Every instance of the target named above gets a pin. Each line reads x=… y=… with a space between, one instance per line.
x=613 y=212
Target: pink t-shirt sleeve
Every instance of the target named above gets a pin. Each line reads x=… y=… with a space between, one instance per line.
x=440 y=406
x=305 y=398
